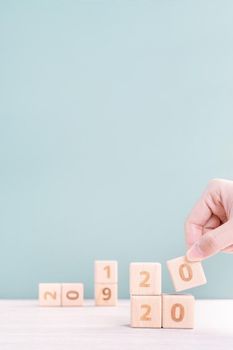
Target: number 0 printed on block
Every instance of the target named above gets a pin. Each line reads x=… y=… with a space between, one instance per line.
x=72 y=294
x=185 y=274
x=178 y=311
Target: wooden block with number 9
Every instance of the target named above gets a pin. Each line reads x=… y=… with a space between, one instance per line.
x=145 y=278
x=50 y=294
x=106 y=271
x=146 y=311
x=105 y=294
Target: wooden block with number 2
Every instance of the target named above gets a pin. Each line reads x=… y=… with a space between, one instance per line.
x=146 y=311
x=50 y=294
x=145 y=278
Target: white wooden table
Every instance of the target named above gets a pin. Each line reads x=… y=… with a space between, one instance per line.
x=24 y=325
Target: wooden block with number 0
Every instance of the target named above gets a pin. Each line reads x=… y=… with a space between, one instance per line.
x=146 y=311
x=72 y=294
x=50 y=294
x=106 y=294
x=106 y=271
x=145 y=278
x=178 y=311
x=185 y=274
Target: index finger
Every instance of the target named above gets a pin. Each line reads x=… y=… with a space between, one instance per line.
x=199 y=216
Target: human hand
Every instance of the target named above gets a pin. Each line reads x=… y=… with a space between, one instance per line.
x=209 y=227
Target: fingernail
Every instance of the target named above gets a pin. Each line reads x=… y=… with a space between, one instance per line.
x=195 y=253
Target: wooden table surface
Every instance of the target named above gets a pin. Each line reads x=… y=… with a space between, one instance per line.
x=24 y=325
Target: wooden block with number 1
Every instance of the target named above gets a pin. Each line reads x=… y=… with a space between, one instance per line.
x=106 y=271
x=106 y=278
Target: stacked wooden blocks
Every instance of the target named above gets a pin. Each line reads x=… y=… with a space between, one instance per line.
x=106 y=283
x=145 y=292
x=149 y=308
x=72 y=294
x=61 y=294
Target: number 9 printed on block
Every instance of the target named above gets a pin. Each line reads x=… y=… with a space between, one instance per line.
x=106 y=287
x=105 y=294
x=145 y=278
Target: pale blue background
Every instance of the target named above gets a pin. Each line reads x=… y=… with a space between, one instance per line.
x=113 y=117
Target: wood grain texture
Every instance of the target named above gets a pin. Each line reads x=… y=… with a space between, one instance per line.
x=26 y=326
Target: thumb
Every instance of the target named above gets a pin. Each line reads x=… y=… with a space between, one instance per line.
x=211 y=242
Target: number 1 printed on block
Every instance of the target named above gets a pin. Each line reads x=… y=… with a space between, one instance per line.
x=106 y=271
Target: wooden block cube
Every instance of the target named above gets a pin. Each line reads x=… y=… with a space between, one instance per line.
x=145 y=279
x=106 y=294
x=178 y=311
x=185 y=274
x=50 y=294
x=146 y=311
x=106 y=271
x=72 y=294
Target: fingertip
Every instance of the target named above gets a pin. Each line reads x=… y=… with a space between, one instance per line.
x=194 y=253
x=228 y=250
x=193 y=233
x=192 y=259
